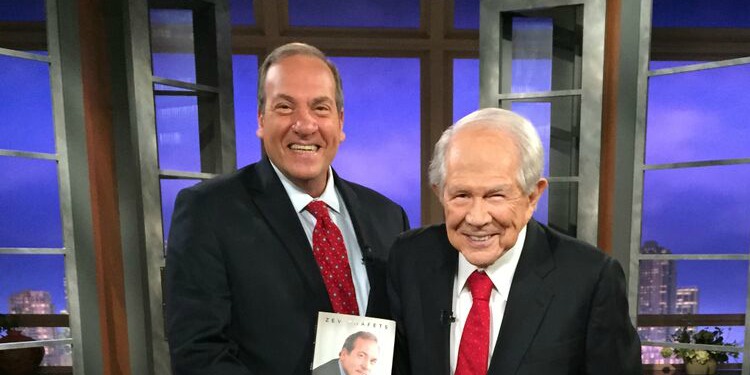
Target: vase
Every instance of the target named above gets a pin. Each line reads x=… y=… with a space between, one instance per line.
x=694 y=368
x=23 y=361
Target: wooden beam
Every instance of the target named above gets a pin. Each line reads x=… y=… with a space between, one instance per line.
x=96 y=77
x=609 y=126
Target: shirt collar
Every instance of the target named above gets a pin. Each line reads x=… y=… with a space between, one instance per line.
x=300 y=199
x=501 y=272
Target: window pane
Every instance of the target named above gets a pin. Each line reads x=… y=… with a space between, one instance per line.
x=558 y=207
x=382 y=127
x=355 y=13
x=28 y=30
x=26 y=109
x=466 y=14
x=701 y=13
x=32 y=284
x=465 y=87
x=177 y=133
x=27 y=10
x=557 y=122
x=172 y=50
x=241 y=12
x=245 y=75
x=699 y=115
x=690 y=286
x=29 y=203
x=698 y=210
x=169 y=190
x=545 y=52
x=532 y=55
x=698 y=30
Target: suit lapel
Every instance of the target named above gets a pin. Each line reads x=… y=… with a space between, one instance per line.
x=269 y=196
x=361 y=221
x=437 y=297
x=527 y=303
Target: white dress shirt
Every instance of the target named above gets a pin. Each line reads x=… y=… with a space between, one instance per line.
x=341 y=218
x=501 y=273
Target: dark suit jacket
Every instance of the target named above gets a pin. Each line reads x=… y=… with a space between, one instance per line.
x=329 y=368
x=567 y=312
x=243 y=289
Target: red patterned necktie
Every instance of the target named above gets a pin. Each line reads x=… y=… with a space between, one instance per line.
x=330 y=253
x=473 y=352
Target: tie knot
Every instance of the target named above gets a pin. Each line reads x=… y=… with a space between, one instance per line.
x=318 y=209
x=480 y=285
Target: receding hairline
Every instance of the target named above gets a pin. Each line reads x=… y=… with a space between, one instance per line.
x=298 y=49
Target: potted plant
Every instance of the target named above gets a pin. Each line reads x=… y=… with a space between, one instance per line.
x=23 y=361
x=698 y=361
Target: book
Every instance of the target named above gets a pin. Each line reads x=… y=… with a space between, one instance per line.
x=354 y=344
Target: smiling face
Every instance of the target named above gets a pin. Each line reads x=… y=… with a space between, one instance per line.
x=362 y=359
x=484 y=205
x=300 y=126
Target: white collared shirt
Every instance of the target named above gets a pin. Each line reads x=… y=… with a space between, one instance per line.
x=501 y=273
x=340 y=216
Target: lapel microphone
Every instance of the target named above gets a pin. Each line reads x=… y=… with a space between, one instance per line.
x=447 y=317
x=366 y=254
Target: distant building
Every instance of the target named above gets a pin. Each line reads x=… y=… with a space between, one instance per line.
x=687 y=300
x=657 y=294
x=40 y=302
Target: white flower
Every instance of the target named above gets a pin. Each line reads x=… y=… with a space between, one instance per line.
x=701 y=357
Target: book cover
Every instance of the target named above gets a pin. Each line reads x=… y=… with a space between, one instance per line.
x=352 y=345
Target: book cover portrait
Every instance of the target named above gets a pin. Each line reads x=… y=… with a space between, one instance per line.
x=349 y=345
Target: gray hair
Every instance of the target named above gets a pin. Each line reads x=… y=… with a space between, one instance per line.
x=522 y=132
x=293 y=49
x=364 y=335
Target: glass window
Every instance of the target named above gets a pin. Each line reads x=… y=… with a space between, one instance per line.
x=556 y=120
x=466 y=14
x=169 y=190
x=700 y=115
x=32 y=284
x=241 y=12
x=172 y=49
x=35 y=284
x=558 y=207
x=698 y=29
x=382 y=126
x=532 y=55
x=177 y=133
x=245 y=75
x=26 y=109
x=355 y=13
x=689 y=287
x=30 y=203
x=27 y=10
x=701 y=13
x=28 y=32
x=546 y=49
x=698 y=210
x=465 y=87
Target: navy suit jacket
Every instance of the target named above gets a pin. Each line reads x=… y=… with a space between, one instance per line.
x=567 y=312
x=242 y=286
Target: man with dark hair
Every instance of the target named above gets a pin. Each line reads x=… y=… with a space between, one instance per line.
x=255 y=255
x=492 y=291
x=358 y=356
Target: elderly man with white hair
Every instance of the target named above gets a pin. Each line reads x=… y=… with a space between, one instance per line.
x=492 y=291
